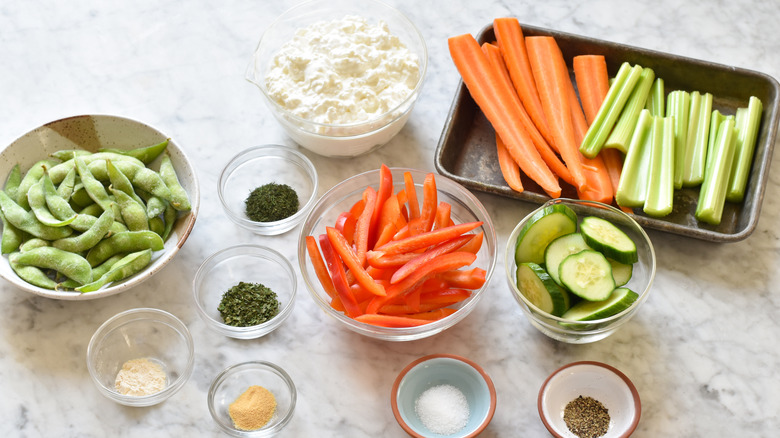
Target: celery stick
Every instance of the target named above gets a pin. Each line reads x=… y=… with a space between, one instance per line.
x=712 y=195
x=746 y=145
x=632 y=188
x=715 y=120
x=677 y=106
x=656 y=99
x=610 y=109
x=696 y=147
x=620 y=136
x=660 y=187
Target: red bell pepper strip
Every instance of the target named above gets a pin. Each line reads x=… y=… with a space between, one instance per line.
x=391 y=320
x=382 y=195
x=319 y=266
x=363 y=225
x=442 y=248
x=348 y=256
x=339 y=277
x=345 y=223
x=386 y=235
x=469 y=279
x=424 y=240
x=442 y=215
x=474 y=244
x=411 y=196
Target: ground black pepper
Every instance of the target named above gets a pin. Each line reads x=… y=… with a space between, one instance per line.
x=586 y=417
x=248 y=304
x=271 y=202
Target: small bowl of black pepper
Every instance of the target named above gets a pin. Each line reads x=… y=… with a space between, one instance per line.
x=268 y=189
x=244 y=291
x=589 y=399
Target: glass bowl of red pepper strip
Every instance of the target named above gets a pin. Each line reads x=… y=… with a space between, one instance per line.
x=397 y=254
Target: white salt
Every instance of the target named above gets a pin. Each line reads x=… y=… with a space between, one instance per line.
x=443 y=409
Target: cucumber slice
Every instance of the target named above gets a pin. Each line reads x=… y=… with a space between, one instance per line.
x=559 y=249
x=620 y=300
x=537 y=286
x=544 y=226
x=587 y=274
x=621 y=272
x=603 y=236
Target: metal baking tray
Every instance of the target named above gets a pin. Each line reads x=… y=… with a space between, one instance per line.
x=466 y=151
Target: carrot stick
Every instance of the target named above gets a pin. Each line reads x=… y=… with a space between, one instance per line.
x=596 y=173
x=411 y=196
x=509 y=168
x=545 y=150
x=501 y=110
x=590 y=72
x=552 y=77
x=510 y=40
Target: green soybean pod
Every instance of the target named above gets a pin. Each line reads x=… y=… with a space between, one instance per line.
x=94 y=188
x=179 y=198
x=126 y=241
x=59 y=171
x=151 y=181
x=121 y=182
x=31 y=274
x=89 y=238
x=92 y=209
x=32 y=244
x=57 y=205
x=13 y=181
x=31 y=177
x=133 y=213
x=80 y=198
x=37 y=200
x=69 y=154
x=66 y=263
x=26 y=221
x=155 y=205
x=97 y=272
x=169 y=216
x=66 y=187
x=146 y=154
x=12 y=237
x=127 y=266
x=83 y=222
x=157 y=225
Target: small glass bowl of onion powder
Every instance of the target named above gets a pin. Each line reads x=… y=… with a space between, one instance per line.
x=141 y=357
x=443 y=395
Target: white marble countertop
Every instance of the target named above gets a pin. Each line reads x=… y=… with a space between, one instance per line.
x=702 y=351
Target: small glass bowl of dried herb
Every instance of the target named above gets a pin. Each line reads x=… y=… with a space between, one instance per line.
x=252 y=399
x=268 y=189
x=589 y=400
x=245 y=291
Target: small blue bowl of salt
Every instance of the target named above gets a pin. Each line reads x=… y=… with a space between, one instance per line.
x=443 y=395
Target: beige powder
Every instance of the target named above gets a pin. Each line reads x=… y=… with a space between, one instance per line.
x=139 y=377
x=253 y=409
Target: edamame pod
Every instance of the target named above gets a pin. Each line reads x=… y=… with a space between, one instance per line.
x=69 y=154
x=13 y=181
x=83 y=222
x=179 y=198
x=127 y=266
x=127 y=241
x=97 y=272
x=26 y=220
x=141 y=177
x=12 y=237
x=94 y=188
x=146 y=154
x=155 y=206
x=31 y=274
x=57 y=205
x=157 y=225
x=58 y=172
x=119 y=181
x=66 y=187
x=80 y=198
x=169 y=216
x=32 y=244
x=31 y=177
x=66 y=263
x=133 y=213
x=89 y=238
x=36 y=198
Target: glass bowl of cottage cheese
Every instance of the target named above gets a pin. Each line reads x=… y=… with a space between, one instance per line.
x=340 y=76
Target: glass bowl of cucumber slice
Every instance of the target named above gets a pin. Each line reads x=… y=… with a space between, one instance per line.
x=579 y=269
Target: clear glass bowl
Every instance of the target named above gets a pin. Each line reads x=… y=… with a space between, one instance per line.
x=247 y=263
x=443 y=369
x=261 y=165
x=141 y=333
x=233 y=381
x=345 y=140
x=581 y=332
x=465 y=208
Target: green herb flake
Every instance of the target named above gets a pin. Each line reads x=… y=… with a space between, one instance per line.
x=271 y=202
x=248 y=304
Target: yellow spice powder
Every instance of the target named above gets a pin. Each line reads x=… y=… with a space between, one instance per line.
x=253 y=409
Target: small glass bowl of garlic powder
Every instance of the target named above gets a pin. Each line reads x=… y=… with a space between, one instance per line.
x=341 y=76
x=141 y=357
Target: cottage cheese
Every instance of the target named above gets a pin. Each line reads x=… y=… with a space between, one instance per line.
x=342 y=72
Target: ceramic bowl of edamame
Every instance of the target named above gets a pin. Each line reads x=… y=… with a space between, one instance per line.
x=93 y=205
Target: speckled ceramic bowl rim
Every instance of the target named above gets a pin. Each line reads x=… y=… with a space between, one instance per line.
x=472 y=364
x=617 y=372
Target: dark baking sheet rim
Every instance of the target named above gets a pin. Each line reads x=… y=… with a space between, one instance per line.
x=739 y=221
